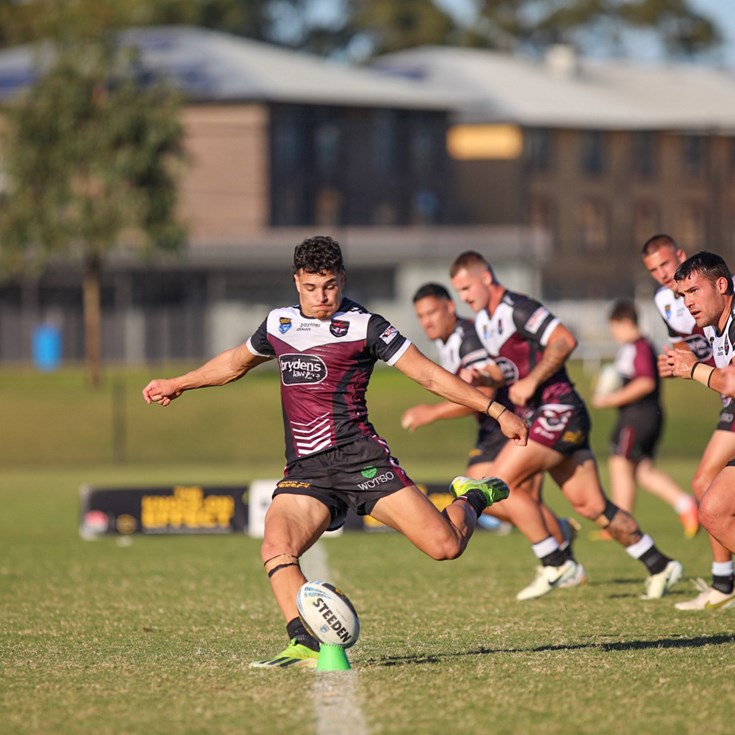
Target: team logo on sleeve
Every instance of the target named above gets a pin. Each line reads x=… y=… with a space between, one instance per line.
x=536 y=319
x=389 y=335
x=339 y=327
x=284 y=324
x=299 y=369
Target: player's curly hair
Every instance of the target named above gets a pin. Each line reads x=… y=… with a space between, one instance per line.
x=319 y=254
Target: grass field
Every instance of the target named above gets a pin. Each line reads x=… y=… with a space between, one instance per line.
x=154 y=635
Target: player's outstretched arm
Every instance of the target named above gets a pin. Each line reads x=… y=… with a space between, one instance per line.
x=684 y=364
x=222 y=369
x=414 y=364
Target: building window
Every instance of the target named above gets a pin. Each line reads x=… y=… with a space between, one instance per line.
x=542 y=219
x=327 y=149
x=694 y=155
x=385 y=142
x=646 y=222
x=592 y=226
x=593 y=152
x=538 y=144
x=645 y=154
x=692 y=229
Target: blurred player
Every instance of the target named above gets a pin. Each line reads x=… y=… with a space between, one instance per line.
x=531 y=347
x=662 y=256
x=706 y=287
x=640 y=422
x=459 y=350
x=327 y=347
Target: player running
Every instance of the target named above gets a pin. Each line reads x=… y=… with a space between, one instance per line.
x=531 y=347
x=460 y=351
x=326 y=347
x=662 y=257
x=706 y=287
x=640 y=422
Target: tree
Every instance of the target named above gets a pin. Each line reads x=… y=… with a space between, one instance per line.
x=588 y=24
x=91 y=154
x=364 y=28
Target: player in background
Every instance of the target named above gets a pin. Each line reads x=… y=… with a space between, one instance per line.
x=662 y=257
x=706 y=287
x=640 y=422
x=531 y=347
x=460 y=349
x=327 y=347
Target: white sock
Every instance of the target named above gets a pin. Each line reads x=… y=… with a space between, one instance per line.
x=639 y=548
x=722 y=568
x=684 y=504
x=544 y=548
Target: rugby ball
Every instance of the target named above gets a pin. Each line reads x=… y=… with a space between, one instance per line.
x=608 y=380
x=327 y=614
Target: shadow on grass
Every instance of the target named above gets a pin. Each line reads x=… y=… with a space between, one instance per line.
x=434 y=658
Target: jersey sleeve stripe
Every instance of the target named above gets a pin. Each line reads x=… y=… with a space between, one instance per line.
x=550 y=327
x=249 y=345
x=399 y=353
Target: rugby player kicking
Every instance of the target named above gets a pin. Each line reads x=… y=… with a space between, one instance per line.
x=327 y=347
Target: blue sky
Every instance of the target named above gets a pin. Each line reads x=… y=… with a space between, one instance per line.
x=721 y=11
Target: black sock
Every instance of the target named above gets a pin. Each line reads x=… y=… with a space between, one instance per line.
x=296 y=630
x=556 y=558
x=476 y=499
x=654 y=560
x=723 y=584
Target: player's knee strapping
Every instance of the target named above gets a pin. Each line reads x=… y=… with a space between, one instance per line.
x=278 y=562
x=611 y=510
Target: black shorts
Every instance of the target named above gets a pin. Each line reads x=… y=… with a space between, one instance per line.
x=637 y=432
x=353 y=476
x=489 y=443
x=561 y=423
x=727 y=418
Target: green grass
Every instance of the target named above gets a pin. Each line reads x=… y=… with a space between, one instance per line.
x=154 y=635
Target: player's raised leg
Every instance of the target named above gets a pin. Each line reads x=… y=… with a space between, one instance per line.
x=441 y=535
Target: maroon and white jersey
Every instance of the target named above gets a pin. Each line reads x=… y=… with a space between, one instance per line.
x=638 y=360
x=680 y=323
x=722 y=350
x=462 y=348
x=325 y=368
x=515 y=337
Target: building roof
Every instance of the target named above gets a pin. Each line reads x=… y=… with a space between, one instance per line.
x=209 y=66
x=565 y=91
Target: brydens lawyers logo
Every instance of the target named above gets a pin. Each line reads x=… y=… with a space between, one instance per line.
x=369 y=472
x=339 y=327
x=302 y=369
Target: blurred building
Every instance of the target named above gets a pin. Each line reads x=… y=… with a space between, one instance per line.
x=555 y=169
x=602 y=154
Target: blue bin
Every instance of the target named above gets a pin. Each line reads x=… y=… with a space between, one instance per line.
x=46 y=347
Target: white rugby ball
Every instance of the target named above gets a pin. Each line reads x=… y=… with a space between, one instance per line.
x=327 y=614
x=608 y=380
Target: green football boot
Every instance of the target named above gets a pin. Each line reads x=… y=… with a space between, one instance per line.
x=493 y=488
x=293 y=655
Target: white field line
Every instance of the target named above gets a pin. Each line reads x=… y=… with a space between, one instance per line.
x=334 y=693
